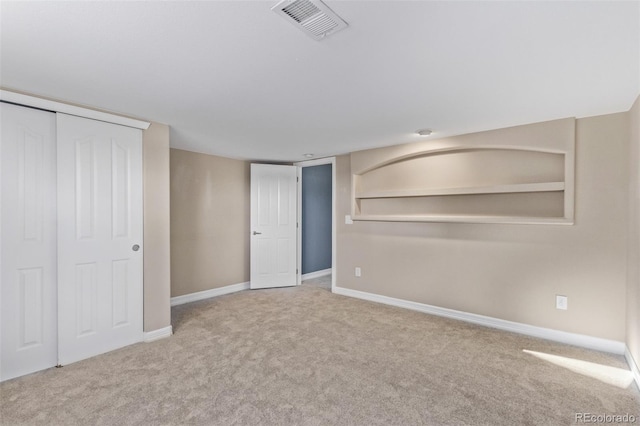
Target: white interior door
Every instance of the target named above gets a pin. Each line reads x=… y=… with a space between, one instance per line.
x=99 y=237
x=28 y=295
x=273 y=226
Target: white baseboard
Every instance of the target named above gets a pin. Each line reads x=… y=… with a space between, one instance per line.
x=161 y=333
x=206 y=294
x=596 y=343
x=632 y=365
x=316 y=274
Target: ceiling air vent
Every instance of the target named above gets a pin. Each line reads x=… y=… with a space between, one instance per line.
x=311 y=16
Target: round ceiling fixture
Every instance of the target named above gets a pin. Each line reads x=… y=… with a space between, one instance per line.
x=424 y=132
x=308 y=155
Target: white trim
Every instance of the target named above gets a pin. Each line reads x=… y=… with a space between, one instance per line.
x=317 y=274
x=633 y=366
x=207 y=294
x=512 y=220
x=49 y=105
x=299 y=225
x=334 y=221
x=596 y=343
x=161 y=333
x=334 y=217
x=316 y=162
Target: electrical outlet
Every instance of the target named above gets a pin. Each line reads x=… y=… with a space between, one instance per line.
x=562 y=302
x=358 y=271
x=348 y=220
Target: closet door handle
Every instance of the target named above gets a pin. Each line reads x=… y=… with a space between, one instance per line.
x=135 y=247
x=257 y=233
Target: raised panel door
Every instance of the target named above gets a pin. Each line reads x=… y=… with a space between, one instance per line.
x=99 y=237
x=28 y=294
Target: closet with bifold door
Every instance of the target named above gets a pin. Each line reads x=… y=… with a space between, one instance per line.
x=71 y=238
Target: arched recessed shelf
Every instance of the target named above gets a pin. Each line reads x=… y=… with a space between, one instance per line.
x=522 y=175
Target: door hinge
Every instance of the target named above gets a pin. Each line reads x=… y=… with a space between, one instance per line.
x=297 y=179
x=296 y=272
x=297 y=225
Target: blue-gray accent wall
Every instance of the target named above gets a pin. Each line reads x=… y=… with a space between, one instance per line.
x=316 y=218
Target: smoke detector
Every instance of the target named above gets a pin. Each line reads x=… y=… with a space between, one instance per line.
x=311 y=16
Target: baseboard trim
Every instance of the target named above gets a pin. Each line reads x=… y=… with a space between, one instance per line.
x=207 y=294
x=633 y=366
x=596 y=343
x=161 y=333
x=316 y=274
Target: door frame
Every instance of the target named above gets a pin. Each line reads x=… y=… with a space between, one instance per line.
x=311 y=163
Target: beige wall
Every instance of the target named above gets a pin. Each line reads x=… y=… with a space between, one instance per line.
x=633 y=284
x=157 y=284
x=512 y=272
x=209 y=222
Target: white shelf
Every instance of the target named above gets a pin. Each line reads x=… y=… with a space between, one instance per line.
x=493 y=189
x=516 y=220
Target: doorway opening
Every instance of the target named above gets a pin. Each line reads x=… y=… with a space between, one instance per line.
x=316 y=216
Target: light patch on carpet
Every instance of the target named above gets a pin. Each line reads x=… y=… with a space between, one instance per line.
x=606 y=374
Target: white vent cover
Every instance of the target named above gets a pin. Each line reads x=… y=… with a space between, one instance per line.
x=311 y=16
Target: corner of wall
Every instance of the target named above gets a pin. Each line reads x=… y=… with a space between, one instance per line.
x=633 y=254
x=157 y=265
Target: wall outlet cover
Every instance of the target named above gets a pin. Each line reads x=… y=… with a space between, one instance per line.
x=562 y=302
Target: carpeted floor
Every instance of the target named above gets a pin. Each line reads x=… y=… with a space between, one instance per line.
x=320 y=282
x=304 y=356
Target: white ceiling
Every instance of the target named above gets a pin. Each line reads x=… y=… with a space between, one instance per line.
x=234 y=79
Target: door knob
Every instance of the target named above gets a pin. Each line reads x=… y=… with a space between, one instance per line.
x=257 y=233
x=135 y=247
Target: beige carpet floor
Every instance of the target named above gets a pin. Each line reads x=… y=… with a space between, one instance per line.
x=320 y=282
x=304 y=356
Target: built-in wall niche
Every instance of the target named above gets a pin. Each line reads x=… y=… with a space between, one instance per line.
x=522 y=175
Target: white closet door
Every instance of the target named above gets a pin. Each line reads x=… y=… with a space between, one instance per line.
x=99 y=237
x=28 y=295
